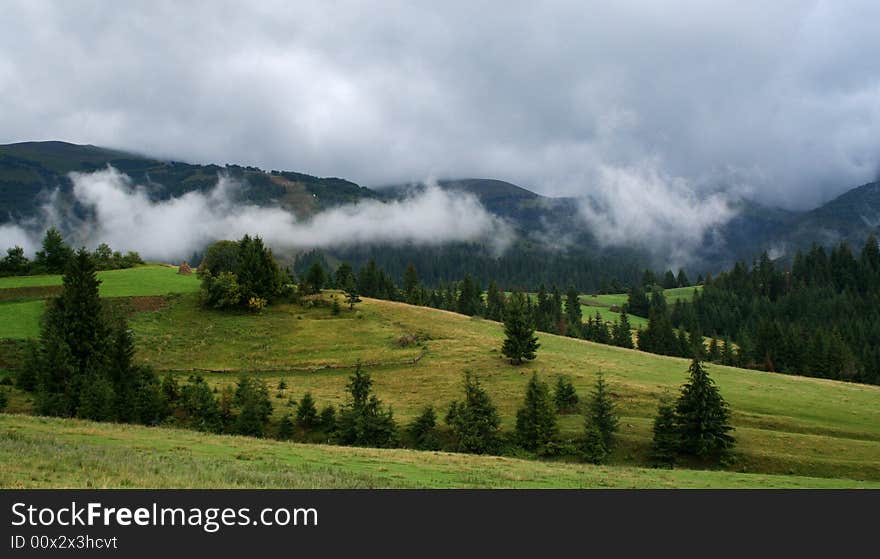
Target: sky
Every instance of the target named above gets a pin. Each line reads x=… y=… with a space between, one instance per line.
x=682 y=100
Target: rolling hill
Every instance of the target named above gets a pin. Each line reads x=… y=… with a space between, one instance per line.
x=785 y=425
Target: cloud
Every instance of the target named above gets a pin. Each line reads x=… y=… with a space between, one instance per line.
x=642 y=206
x=124 y=216
x=777 y=100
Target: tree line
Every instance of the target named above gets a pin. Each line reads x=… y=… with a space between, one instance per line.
x=54 y=255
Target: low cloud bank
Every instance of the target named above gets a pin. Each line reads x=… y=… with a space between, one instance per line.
x=124 y=216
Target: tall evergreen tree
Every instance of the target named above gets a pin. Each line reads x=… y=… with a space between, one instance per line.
x=622 y=334
x=474 y=422
x=307 y=412
x=536 y=423
x=423 y=430
x=565 y=396
x=573 y=314
x=411 y=285
x=495 y=302
x=73 y=340
x=520 y=342
x=363 y=421
x=702 y=417
x=664 y=445
x=601 y=413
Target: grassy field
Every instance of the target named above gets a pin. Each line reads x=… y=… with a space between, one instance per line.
x=785 y=425
x=20 y=318
x=55 y=453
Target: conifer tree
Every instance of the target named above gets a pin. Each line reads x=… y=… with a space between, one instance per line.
x=664 y=445
x=363 y=421
x=307 y=412
x=315 y=278
x=423 y=430
x=285 y=428
x=73 y=340
x=520 y=342
x=536 y=423
x=622 y=336
x=494 y=302
x=411 y=285
x=601 y=413
x=702 y=417
x=573 y=314
x=565 y=396
x=593 y=448
x=474 y=422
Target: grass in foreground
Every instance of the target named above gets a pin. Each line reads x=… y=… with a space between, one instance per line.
x=41 y=452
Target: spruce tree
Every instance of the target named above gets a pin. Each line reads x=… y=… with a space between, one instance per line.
x=307 y=412
x=536 y=423
x=593 y=447
x=520 y=342
x=494 y=303
x=285 y=428
x=664 y=445
x=411 y=285
x=474 y=422
x=573 y=314
x=702 y=417
x=73 y=340
x=423 y=430
x=327 y=419
x=363 y=421
x=565 y=396
x=622 y=336
x=315 y=278
x=254 y=407
x=601 y=412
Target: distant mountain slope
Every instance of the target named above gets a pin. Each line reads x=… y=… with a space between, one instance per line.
x=30 y=168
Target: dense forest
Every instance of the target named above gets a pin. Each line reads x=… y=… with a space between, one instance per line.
x=819 y=318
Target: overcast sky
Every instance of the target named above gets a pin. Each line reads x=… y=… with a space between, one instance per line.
x=778 y=99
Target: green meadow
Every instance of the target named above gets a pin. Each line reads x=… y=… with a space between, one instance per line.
x=56 y=453
x=785 y=425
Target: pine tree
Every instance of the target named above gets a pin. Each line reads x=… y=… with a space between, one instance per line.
x=536 y=423
x=200 y=406
x=285 y=428
x=637 y=302
x=565 y=396
x=520 y=341
x=494 y=303
x=254 y=407
x=307 y=412
x=601 y=413
x=362 y=420
x=423 y=430
x=315 y=278
x=470 y=300
x=343 y=275
x=73 y=340
x=702 y=416
x=327 y=419
x=593 y=448
x=682 y=280
x=474 y=422
x=573 y=314
x=411 y=285
x=664 y=445
x=351 y=293
x=622 y=336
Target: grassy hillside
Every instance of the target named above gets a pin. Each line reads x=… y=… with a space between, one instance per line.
x=784 y=424
x=21 y=309
x=58 y=453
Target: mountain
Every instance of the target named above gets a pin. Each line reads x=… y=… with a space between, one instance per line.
x=549 y=228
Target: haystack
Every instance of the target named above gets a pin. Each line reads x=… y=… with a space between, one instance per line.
x=184 y=269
